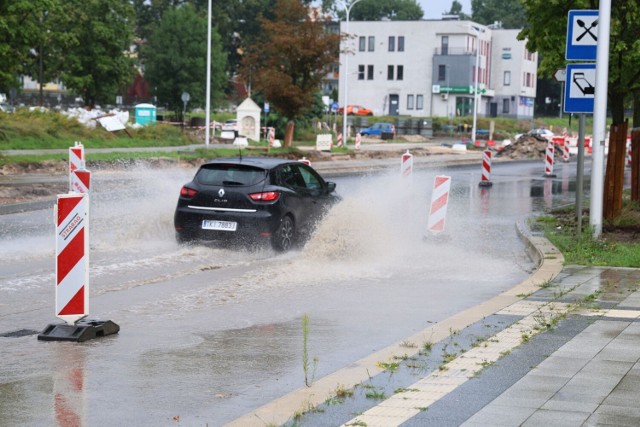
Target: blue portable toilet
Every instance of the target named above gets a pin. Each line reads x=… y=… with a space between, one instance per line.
x=145 y=114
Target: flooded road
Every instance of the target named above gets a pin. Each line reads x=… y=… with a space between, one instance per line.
x=209 y=333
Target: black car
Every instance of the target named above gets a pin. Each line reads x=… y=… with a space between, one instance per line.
x=253 y=200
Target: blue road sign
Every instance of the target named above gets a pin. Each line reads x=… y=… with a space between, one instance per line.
x=582 y=35
x=579 y=88
x=266 y=107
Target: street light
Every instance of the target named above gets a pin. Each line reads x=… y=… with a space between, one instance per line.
x=207 y=118
x=347 y=8
x=477 y=77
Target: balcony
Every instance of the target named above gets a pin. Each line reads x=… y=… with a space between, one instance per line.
x=454 y=51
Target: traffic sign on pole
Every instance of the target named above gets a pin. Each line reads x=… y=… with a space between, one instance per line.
x=579 y=89
x=582 y=35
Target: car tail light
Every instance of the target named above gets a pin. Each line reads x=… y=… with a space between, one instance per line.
x=267 y=196
x=187 y=192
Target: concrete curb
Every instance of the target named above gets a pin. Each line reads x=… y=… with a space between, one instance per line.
x=279 y=411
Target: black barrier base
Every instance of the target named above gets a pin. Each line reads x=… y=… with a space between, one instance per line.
x=549 y=175
x=485 y=184
x=83 y=330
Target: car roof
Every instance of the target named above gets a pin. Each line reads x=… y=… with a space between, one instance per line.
x=261 y=162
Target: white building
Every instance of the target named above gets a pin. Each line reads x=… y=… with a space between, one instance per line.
x=428 y=69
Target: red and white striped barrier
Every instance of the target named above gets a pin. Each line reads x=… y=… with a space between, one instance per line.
x=548 y=160
x=358 y=140
x=81 y=181
x=485 y=181
x=305 y=161
x=72 y=257
x=76 y=160
x=406 y=164
x=629 y=158
x=439 y=202
x=565 y=150
x=339 y=140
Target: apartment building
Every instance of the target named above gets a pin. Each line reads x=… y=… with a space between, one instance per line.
x=432 y=68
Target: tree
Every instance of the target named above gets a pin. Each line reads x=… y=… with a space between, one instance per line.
x=456 y=9
x=288 y=63
x=546 y=31
x=376 y=10
x=175 y=59
x=93 y=61
x=509 y=12
x=21 y=32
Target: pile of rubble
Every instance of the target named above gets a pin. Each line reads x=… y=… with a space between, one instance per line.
x=526 y=147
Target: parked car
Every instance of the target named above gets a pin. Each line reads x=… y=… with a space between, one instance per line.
x=378 y=129
x=253 y=200
x=538 y=132
x=230 y=125
x=355 y=110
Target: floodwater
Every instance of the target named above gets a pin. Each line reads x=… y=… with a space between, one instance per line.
x=209 y=333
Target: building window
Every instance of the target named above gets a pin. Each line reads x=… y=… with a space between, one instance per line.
x=392 y=43
x=400 y=72
x=419 y=102
x=505 y=106
x=372 y=42
x=442 y=73
x=409 y=102
x=389 y=72
x=362 y=43
x=400 y=43
x=507 y=78
x=445 y=45
x=360 y=72
x=369 y=72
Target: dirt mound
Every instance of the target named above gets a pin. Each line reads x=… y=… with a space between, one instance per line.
x=526 y=147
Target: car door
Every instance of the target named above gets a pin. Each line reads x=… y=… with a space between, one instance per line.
x=298 y=198
x=320 y=200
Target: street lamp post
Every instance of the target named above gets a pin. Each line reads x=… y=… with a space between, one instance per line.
x=475 y=92
x=207 y=119
x=347 y=8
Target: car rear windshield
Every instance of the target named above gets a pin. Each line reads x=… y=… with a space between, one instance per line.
x=224 y=174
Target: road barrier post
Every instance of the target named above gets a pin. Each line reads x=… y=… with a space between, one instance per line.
x=406 y=164
x=548 y=160
x=439 y=202
x=485 y=180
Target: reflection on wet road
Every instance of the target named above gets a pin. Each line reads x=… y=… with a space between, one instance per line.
x=210 y=333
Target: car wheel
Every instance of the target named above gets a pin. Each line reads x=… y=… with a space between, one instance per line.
x=369 y=114
x=282 y=239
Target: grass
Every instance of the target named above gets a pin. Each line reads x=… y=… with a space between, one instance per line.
x=617 y=246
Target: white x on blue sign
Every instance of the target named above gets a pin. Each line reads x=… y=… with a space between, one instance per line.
x=582 y=35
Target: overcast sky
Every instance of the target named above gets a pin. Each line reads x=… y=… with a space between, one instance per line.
x=433 y=9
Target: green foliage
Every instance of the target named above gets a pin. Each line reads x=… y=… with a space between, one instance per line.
x=175 y=59
x=93 y=63
x=509 y=12
x=395 y=10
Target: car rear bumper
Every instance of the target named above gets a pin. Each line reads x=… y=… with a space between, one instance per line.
x=260 y=223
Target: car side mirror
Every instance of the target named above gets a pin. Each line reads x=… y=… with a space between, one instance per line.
x=331 y=187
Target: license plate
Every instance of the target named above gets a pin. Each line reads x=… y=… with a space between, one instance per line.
x=208 y=224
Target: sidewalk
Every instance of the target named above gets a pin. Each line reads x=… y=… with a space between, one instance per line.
x=560 y=349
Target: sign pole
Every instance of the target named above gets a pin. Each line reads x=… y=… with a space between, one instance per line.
x=600 y=118
x=580 y=172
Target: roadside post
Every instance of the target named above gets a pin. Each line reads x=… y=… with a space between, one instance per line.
x=339 y=140
x=548 y=160
x=358 y=140
x=439 y=202
x=406 y=165
x=71 y=220
x=485 y=180
x=76 y=160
